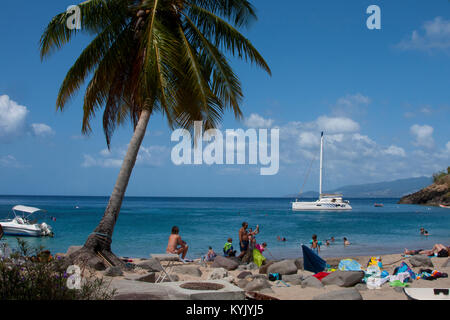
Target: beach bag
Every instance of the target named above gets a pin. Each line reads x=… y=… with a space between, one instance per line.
x=275 y=276
x=258 y=258
x=405 y=268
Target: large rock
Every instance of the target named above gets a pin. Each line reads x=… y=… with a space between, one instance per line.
x=113 y=272
x=218 y=274
x=244 y=274
x=299 y=263
x=151 y=265
x=283 y=267
x=294 y=279
x=345 y=294
x=264 y=267
x=343 y=278
x=446 y=264
x=140 y=296
x=257 y=285
x=242 y=283
x=311 y=282
x=248 y=256
x=420 y=261
x=222 y=262
x=73 y=249
x=252 y=266
x=188 y=270
x=151 y=278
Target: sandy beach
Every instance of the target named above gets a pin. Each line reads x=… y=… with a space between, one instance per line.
x=297 y=291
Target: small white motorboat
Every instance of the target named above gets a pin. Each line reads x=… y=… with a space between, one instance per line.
x=22 y=225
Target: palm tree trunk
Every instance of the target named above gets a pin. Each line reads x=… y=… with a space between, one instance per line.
x=100 y=240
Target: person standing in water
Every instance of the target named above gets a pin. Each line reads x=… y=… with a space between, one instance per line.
x=315 y=244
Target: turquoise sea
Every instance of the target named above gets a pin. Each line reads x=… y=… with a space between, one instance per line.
x=144 y=224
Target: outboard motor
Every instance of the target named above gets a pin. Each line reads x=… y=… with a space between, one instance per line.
x=46 y=229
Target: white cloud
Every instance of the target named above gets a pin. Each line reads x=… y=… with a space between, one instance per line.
x=423 y=135
x=436 y=36
x=256 y=121
x=351 y=104
x=153 y=156
x=447 y=147
x=337 y=124
x=10 y=161
x=41 y=130
x=12 y=118
x=395 y=151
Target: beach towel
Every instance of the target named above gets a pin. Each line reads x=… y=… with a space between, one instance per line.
x=349 y=265
x=311 y=261
x=321 y=275
x=258 y=258
x=405 y=268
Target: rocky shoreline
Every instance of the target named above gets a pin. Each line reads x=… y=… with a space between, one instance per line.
x=243 y=280
x=434 y=195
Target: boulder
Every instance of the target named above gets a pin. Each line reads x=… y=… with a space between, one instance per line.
x=258 y=276
x=252 y=266
x=113 y=272
x=188 y=270
x=311 y=282
x=248 y=256
x=72 y=249
x=343 y=278
x=151 y=278
x=283 y=267
x=218 y=274
x=96 y=263
x=345 y=294
x=151 y=265
x=263 y=268
x=420 y=261
x=244 y=274
x=242 y=283
x=226 y=263
x=299 y=263
x=257 y=285
x=294 y=279
x=446 y=264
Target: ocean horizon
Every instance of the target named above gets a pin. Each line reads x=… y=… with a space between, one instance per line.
x=144 y=224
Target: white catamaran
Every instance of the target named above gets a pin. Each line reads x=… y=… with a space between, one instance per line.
x=326 y=201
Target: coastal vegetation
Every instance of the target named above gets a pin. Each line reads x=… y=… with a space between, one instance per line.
x=33 y=274
x=150 y=56
x=436 y=194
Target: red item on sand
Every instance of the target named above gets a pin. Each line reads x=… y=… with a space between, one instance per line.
x=321 y=275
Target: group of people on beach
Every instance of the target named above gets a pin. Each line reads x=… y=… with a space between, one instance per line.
x=247 y=240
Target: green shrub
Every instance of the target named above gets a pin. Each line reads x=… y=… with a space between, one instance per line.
x=41 y=277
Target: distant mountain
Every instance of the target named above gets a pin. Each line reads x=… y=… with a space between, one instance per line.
x=387 y=189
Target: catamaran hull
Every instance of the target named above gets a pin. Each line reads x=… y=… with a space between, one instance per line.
x=313 y=206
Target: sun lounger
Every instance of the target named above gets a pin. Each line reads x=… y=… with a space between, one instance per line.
x=166 y=271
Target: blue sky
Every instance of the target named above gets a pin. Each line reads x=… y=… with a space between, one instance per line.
x=382 y=97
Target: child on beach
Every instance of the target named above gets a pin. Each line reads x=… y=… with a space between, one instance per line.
x=261 y=247
x=315 y=244
x=228 y=248
x=210 y=255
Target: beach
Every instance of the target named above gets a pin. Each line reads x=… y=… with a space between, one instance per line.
x=183 y=273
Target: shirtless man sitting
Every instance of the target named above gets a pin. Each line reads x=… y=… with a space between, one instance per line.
x=176 y=245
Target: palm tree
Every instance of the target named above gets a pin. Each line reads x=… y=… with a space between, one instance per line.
x=151 y=56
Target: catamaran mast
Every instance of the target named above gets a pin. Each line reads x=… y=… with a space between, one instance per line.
x=321 y=165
